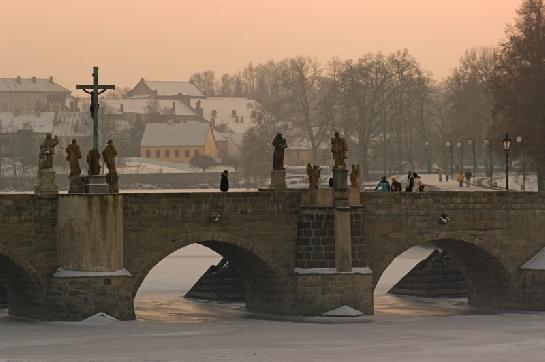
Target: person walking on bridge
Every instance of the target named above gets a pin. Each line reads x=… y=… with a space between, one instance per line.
x=460 y=179
x=468 y=176
x=224 y=182
x=410 y=182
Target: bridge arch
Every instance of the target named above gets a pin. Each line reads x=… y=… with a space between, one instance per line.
x=22 y=286
x=489 y=279
x=265 y=286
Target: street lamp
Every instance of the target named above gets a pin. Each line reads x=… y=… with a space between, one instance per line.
x=506 y=148
x=490 y=163
x=471 y=143
x=519 y=141
x=460 y=145
x=428 y=163
x=451 y=165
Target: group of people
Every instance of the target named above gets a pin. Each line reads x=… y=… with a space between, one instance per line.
x=414 y=184
x=464 y=177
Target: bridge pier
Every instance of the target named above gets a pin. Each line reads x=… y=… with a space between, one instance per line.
x=91 y=277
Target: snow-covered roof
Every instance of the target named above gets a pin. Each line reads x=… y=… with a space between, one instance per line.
x=190 y=133
x=11 y=122
x=140 y=106
x=238 y=121
x=62 y=124
x=174 y=87
x=31 y=85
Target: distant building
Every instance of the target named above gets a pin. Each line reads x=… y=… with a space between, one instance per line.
x=175 y=109
x=235 y=114
x=22 y=133
x=32 y=94
x=180 y=90
x=177 y=142
x=299 y=152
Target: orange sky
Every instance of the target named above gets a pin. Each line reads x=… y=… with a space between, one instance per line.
x=171 y=39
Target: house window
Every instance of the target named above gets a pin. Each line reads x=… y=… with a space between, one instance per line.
x=196 y=152
x=157 y=153
x=233 y=113
x=241 y=119
x=186 y=153
x=177 y=153
x=167 y=153
x=148 y=153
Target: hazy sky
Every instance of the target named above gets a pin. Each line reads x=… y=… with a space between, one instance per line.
x=171 y=39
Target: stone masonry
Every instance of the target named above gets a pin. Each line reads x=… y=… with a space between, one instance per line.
x=284 y=250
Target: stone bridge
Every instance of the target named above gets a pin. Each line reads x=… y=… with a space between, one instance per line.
x=71 y=256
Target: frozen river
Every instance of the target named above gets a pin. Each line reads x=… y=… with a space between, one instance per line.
x=170 y=328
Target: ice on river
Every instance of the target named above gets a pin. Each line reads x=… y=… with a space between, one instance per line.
x=170 y=328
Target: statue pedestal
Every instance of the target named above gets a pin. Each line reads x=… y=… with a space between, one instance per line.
x=46 y=184
x=96 y=184
x=278 y=179
x=340 y=186
x=76 y=185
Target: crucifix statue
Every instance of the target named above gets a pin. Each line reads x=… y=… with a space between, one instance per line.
x=94 y=90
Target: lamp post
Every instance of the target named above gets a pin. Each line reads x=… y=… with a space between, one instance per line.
x=506 y=148
x=471 y=143
x=460 y=145
x=428 y=163
x=451 y=164
x=489 y=163
x=519 y=141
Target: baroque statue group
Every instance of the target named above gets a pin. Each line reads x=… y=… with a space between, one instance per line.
x=339 y=150
x=46 y=173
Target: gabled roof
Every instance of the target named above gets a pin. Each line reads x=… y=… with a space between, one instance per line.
x=139 y=106
x=31 y=85
x=62 y=124
x=190 y=133
x=170 y=88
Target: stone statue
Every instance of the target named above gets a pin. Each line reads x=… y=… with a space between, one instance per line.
x=73 y=155
x=47 y=151
x=108 y=155
x=313 y=173
x=355 y=176
x=279 y=144
x=339 y=148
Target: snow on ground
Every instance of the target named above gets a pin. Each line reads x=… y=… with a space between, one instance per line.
x=170 y=328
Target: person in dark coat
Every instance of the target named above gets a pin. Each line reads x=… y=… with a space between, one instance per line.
x=224 y=182
x=410 y=182
x=383 y=185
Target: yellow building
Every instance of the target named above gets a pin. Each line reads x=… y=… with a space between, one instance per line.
x=178 y=142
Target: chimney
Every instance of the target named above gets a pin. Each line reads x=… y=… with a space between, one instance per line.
x=121 y=107
x=142 y=80
x=34 y=79
x=19 y=79
x=51 y=80
x=173 y=107
x=198 y=108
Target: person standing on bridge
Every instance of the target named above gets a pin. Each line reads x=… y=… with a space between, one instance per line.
x=460 y=179
x=383 y=185
x=224 y=182
x=468 y=176
x=410 y=182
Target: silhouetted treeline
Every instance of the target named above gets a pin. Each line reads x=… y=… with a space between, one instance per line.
x=393 y=114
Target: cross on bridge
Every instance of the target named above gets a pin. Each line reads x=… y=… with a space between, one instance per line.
x=94 y=90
